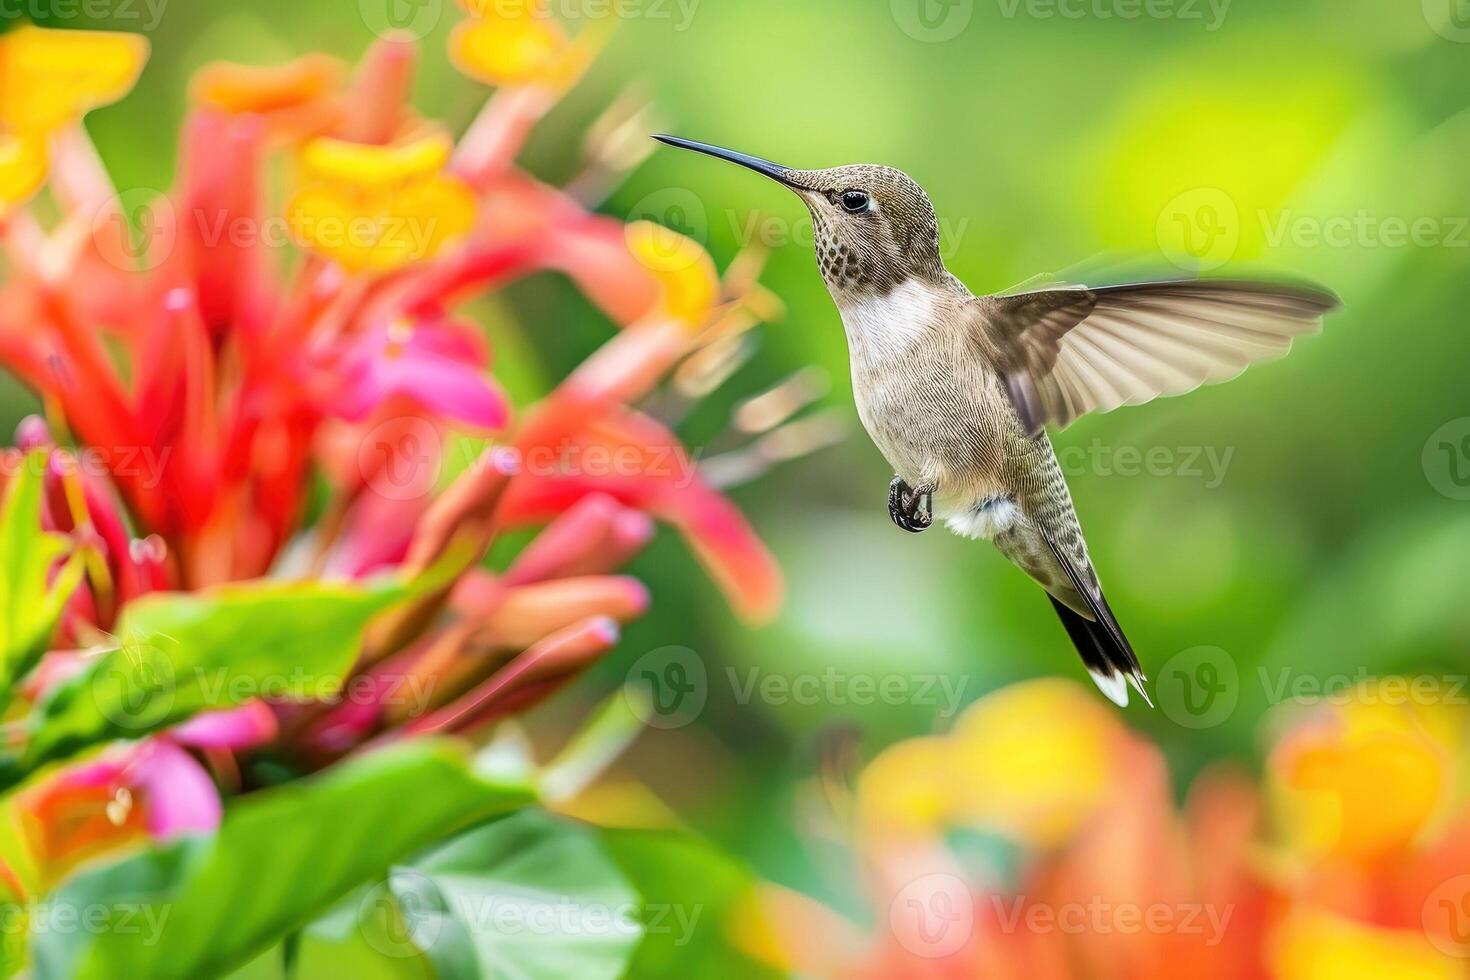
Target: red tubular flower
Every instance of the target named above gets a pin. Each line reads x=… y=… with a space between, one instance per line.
x=205 y=382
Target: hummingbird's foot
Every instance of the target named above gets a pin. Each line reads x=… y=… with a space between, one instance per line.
x=911 y=508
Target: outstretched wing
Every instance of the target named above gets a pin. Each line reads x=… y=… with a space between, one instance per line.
x=1075 y=349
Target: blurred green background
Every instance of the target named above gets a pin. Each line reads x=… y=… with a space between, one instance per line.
x=1302 y=527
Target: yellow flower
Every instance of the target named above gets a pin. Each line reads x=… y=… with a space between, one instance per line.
x=23 y=163
x=378 y=207
x=907 y=790
x=685 y=272
x=1034 y=759
x=515 y=42
x=1030 y=761
x=1315 y=945
x=1364 y=780
x=49 y=78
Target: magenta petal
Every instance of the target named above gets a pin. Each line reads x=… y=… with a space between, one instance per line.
x=446 y=388
x=180 y=796
x=251 y=724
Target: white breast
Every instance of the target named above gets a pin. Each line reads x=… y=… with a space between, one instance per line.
x=883 y=326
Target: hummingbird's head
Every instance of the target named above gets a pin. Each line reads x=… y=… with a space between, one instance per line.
x=874 y=226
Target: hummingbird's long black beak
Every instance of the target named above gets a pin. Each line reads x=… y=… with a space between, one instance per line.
x=778 y=173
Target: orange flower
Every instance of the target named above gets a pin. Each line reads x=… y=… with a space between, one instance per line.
x=298 y=99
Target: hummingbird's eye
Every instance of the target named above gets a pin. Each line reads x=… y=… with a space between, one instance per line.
x=855 y=202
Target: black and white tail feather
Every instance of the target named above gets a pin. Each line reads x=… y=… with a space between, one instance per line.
x=1105 y=651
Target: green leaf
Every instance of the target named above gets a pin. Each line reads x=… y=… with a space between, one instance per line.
x=205 y=905
x=31 y=600
x=528 y=896
x=688 y=891
x=181 y=653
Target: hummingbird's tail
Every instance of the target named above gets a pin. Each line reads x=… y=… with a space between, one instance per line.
x=1105 y=651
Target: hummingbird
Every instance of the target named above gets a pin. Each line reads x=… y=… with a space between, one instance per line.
x=956 y=389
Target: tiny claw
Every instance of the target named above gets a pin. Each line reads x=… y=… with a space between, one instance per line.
x=911 y=508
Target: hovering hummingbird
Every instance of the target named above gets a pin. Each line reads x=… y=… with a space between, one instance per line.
x=955 y=389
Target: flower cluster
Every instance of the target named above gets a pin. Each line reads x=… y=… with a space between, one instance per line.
x=235 y=388
x=1040 y=838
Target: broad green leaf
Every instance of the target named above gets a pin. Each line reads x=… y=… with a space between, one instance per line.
x=31 y=600
x=180 y=653
x=528 y=896
x=687 y=891
x=203 y=906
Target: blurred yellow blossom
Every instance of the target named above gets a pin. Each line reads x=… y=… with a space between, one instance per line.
x=1363 y=779
x=1030 y=761
x=23 y=162
x=684 y=270
x=49 y=78
x=1314 y=945
x=378 y=207
x=519 y=43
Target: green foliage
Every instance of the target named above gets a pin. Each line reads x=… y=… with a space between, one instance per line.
x=183 y=653
x=529 y=895
x=31 y=600
x=201 y=906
